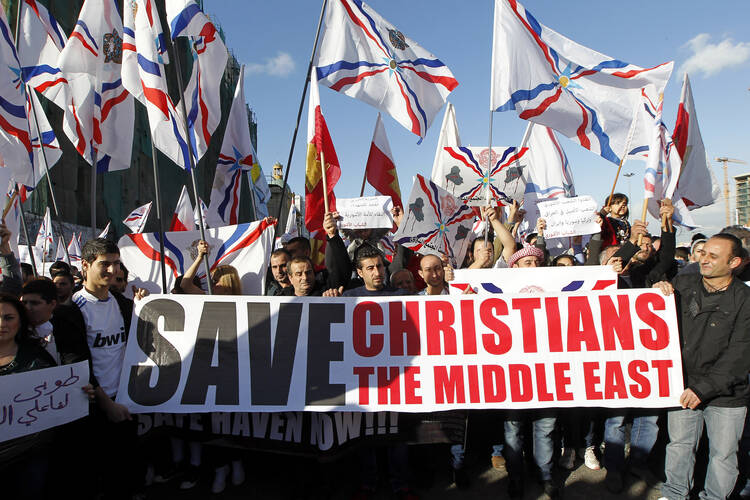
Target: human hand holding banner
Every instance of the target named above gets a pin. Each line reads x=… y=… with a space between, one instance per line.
x=615 y=349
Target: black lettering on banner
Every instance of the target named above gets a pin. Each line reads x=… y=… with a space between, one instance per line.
x=159 y=350
x=320 y=352
x=218 y=321
x=270 y=379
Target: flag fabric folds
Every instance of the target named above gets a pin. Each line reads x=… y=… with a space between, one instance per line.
x=366 y=57
x=237 y=155
x=182 y=219
x=449 y=137
x=697 y=186
x=136 y=220
x=261 y=192
x=44 y=234
x=60 y=252
x=246 y=247
x=319 y=148
x=553 y=81
x=197 y=215
x=435 y=222
x=104 y=233
x=74 y=251
x=380 y=169
x=462 y=171
x=549 y=174
x=91 y=61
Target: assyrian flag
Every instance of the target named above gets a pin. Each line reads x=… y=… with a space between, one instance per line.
x=104 y=233
x=60 y=253
x=463 y=172
x=44 y=234
x=435 y=222
x=246 y=247
x=237 y=155
x=261 y=192
x=202 y=99
x=197 y=215
x=136 y=221
x=449 y=137
x=389 y=248
x=91 y=61
x=74 y=251
x=553 y=81
x=144 y=54
x=662 y=167
x=697 y=186
x=319 y=144
x=380 y=169
x=182 y=219
x=366 y=57
x=291 y=230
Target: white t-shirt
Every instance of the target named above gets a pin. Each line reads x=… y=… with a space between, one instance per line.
x=106 y=336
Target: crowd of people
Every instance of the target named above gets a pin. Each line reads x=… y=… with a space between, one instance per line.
x=71 y=316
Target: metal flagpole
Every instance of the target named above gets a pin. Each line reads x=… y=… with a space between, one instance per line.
x=299 y=116
x=487 y=187
x=26 y=234
x=93 y=194
x=178 y=70
x=159 y=218
x=41 y=146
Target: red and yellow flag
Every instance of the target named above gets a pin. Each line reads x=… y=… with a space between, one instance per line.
x=319 y=146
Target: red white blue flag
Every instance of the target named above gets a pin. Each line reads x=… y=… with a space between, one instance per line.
x=435 y=222
x=182 y=219
x=246 y=247
x=237 y=155
x=366 y=57
x=74 y=251
x=551 y=80
x=136 y=220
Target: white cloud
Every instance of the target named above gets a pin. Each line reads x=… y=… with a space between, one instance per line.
x=711 y=58
x=282 y=65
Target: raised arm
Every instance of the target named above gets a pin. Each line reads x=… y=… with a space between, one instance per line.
x=187 y=284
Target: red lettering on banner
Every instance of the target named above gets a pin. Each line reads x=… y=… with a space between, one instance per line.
x=581 y=325
x=363 y=376
x=591 y=380
x=562 y=381
x=440 y=319
x=473 y=383
x=519 y=379
x=662 y=368
x=411 y=384
x=554 y=330
x=642 y=387
x=614 y=381
x=404 y=327
x=542 y=394
x=493 y=378
x=389 y=389
x=449 y=387
x=527 y=306
x=359 y=329
x=616 y=322
x=501 y=340
x=468 y=327
x=658 y=338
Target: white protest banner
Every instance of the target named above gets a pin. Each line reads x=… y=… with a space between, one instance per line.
x=534 y=279
x=246 y=247
x=36 y=400
x=435 y=222
x=191 y=353
x=462 y=171
x=569 y=216
x=365 y=212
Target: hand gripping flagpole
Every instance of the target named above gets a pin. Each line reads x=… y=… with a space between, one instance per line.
x=296 y=126
x=178 y=70
x=41 y=147
x=159 y=217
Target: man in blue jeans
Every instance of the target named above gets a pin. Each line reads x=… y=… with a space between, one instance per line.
x=714 y=315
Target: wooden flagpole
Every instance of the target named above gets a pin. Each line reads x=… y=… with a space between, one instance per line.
x=299 y=116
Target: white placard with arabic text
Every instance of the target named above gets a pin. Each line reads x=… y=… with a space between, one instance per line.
x=569 y=216
x=367 y=212
x=40 y=399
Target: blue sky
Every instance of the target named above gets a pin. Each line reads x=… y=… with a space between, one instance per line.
x=274 y=39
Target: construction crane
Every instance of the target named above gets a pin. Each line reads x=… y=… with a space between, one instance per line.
x=725 y=160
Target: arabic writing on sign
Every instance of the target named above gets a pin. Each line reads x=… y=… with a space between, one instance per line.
x=569 y=216
x=367 y=212
x=36 y=400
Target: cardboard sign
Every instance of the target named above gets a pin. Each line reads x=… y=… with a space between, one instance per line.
x=408 y=354
x=36 y=400
x=569 y=216
x=367 y=212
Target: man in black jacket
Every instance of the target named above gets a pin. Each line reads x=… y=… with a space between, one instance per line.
x=714 y=314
